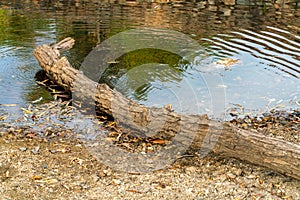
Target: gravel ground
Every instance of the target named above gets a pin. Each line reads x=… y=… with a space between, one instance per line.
x=41 y=159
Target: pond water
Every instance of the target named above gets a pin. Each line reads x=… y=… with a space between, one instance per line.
x=261 y=38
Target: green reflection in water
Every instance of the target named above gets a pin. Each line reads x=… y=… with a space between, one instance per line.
x=18 y=36
x=39 y=94
x=136 y=73
x=19 y=28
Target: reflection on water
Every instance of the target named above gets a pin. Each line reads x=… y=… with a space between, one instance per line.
x=266 y=46
x=263 y=35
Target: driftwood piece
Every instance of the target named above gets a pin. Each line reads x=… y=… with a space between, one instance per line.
x=224 y=139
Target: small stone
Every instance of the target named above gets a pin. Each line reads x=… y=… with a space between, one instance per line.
x=211 y=2
x=251 y=176
x=190 y=190
x=169 y=107
x=238 y=172
x=78 y=145
x=223 y=177
x=227 y=12
x=230 y=175
x=44 y=166
x=23 y=149
x=244 y=126
x=202 y=4
x=36 y=150
x=51 y=181
x=50 y=190
x=229 y=2
x=84 y=185
x=212 y=8
x=276 y=6
x=94 y=177
x=53 y=151
x=107 y=172
x=190 y=169
x=11 y=130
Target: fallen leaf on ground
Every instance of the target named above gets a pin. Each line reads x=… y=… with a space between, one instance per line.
x=36 y=177
x=158 y=141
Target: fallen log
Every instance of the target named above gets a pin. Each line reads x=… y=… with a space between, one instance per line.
x=222 y=138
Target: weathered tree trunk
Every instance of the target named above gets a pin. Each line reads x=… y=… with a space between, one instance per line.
x=224 y=139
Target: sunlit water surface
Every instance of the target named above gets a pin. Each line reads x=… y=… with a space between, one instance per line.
x=265 y=42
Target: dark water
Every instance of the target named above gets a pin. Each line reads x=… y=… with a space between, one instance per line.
x=264 y=37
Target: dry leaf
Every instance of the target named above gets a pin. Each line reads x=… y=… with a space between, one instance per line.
x=227 y=62
x=8 y=105
x=26 y=111
x=31 y=135
x=135 y=191
x=158 y=141
x=36 y=177
x=51 y=181
x=127 y=145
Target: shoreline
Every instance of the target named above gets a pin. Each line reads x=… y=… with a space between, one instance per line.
x=53 y=164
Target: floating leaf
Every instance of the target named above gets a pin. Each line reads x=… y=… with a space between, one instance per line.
x=227 y=62
x=8 y=105
x=26 y=111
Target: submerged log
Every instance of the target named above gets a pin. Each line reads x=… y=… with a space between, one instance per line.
x=223 y=138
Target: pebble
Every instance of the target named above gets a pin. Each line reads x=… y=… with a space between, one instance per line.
x=94 y=177
x=44 y=166
x=11 y=130
x=251 y=176
x=107 y=172
x=230 y=175
x=223 y=177
x=23 y=149
x=116 y=182
x=190 y=169
x=36 y=150
x=238 y=172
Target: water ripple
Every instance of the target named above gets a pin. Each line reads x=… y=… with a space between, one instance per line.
x=278 y=50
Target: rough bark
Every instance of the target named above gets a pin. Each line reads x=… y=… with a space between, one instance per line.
x=222 y=138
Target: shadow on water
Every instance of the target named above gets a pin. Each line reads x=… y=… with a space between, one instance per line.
x=264 y=36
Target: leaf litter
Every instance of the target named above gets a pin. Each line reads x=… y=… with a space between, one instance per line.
x=42 y=157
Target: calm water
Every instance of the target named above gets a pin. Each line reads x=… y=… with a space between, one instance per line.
x=265 y=39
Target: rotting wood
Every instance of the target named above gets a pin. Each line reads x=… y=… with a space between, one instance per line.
x=272 y=153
